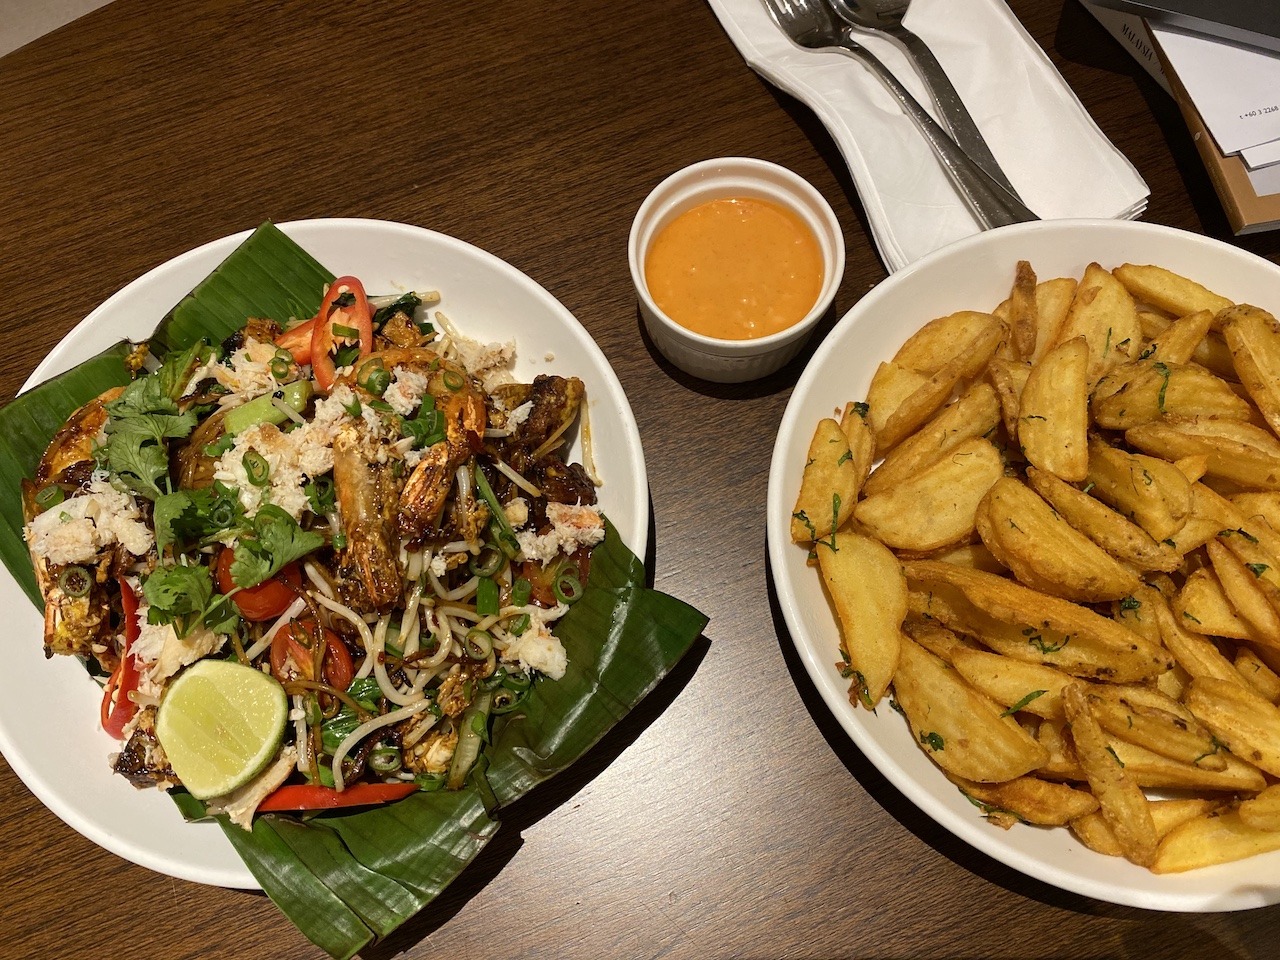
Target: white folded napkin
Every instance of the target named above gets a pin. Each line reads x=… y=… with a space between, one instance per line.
x=1053 y=153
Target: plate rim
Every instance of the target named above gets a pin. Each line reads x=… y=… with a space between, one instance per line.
x=72 y=349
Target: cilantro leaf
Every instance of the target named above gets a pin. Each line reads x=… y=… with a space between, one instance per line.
x=276 y=540
x=196 y=516
x=178 y=595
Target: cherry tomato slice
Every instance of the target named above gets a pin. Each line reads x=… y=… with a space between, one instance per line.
x=294 y=641
x=306 y=796
x=117 y=707
x=345 y=306
x=266 y=600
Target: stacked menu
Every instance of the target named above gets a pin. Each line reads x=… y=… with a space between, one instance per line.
x=1229 y=95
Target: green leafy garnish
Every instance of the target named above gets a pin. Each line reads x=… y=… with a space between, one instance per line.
x=275 y=540
x=184 y=596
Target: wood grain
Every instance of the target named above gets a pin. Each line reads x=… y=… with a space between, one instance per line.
x=729 y=816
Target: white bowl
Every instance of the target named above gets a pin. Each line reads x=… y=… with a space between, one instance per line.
x=976 y=273
x=711 y=358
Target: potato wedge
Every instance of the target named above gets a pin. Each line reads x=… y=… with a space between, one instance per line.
x=1103 y=312
x=1218 y=837
x=1263 y=811
x=1131 y=613
x=974 y=415
x=828 y=486
x=1150 y=719
x=1033 y=626
x=890 y=386
x=968 y=359
x=934 y=345
x=1053 y=300
x=964 y=732
x=1254 y=341
x=1093 y=832
x=1171 y=292
x=1014 y=684
x=1211 y=353
x=1237 y=451
x=1029 y=800
x=1248 y=724
x=936 y=638
x=1206 y=521
x=1118 y=536
x=1023 y=311
x=861 y=439
x=935 y=507
x=1202 y=607
x=1009 y=377
x=1062 y=763
x=1264 y=506
x=869 y=592
x=1245 y=591
x=1154 y=771
x=1122 y=802
x=1178 y=342
x=1264 y=680
x=1045 y=552
x=1193 y=652
x=1166 y=390
x=1153 y=493
x=1053 y=417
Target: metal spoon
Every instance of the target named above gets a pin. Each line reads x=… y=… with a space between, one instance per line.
x=885 y=17
x=812 y=25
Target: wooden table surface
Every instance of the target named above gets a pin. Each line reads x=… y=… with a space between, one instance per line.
x=729 y=816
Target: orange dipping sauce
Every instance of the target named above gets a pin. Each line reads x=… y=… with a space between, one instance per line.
x=735 y=269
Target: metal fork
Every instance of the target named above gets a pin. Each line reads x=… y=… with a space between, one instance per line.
x=812 y=24
x=884 y=17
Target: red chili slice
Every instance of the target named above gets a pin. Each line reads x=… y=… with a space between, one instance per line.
x=117 y=706
x=306 y=796
x=345 y=306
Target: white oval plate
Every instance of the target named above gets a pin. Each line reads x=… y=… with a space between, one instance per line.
x=49 y=730
x=976 y=274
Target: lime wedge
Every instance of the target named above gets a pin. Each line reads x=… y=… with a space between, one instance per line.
x=220 y=723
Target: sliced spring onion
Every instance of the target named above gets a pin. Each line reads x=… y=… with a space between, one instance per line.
x=504 y=700
x=489 y=561
x=50 y=496
x=219 y=446
x=478 y=644
x=521 y=591
x=567 y=587
x=374 y=377
x=384 y=759
x=342 y=330
x=517 y=680
x=430 y=781
x=75 y=581
x=487 y=603
x=256 y=468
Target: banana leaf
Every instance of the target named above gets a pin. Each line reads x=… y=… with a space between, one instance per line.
x=349 y=879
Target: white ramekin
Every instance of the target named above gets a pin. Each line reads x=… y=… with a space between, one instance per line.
x=710 y=358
